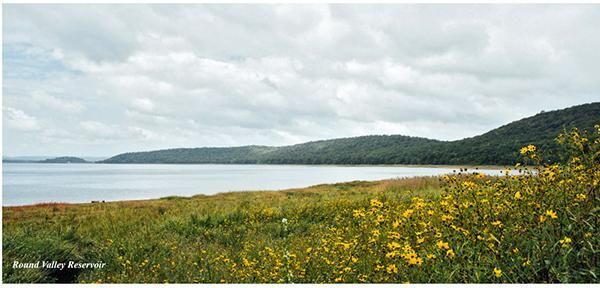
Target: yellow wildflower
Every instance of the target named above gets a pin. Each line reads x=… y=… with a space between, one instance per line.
x=393 y=245
x=518 y=195
x=565 y=242
x=415 y=261
x=376 y=203
x=393 y=235
x=391 y=255
x=497 y=272
x=447 y=218
x=358 y=213
x=392 y=269
x=551 y=214
x=450 y=254
x=443 y=245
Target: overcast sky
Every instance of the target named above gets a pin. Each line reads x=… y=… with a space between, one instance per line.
x=101 y=80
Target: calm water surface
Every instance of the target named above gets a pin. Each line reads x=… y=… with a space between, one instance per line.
x=74 y=183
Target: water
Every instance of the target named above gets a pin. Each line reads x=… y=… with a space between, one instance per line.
x=28 y=183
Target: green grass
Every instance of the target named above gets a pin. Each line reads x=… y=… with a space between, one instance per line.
x=176 y=230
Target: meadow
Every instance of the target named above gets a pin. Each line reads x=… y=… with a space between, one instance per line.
x=540 y=226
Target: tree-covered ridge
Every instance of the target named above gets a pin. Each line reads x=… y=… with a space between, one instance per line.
x=498 y=146
x=64 y=159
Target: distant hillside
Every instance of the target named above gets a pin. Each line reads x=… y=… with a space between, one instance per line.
x=65 y=159
x=499 y=146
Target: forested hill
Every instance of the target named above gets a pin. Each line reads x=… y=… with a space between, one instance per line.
x=497 y=147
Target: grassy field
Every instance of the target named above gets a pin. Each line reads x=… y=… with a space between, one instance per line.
x=541 y=226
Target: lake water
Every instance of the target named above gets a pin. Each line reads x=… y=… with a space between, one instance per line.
x=28 y=183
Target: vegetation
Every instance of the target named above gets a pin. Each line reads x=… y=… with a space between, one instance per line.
x=497 y=147
x=539 y=226
x=65 y=159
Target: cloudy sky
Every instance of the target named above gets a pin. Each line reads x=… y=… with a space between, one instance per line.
x=101 y=80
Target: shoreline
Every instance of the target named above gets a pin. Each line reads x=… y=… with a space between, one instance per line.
x=99 y=202
x=455 y=166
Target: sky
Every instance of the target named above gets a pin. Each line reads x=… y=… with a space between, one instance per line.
x=100 y=80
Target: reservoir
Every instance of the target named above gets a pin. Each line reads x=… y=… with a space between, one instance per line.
x=32 y=183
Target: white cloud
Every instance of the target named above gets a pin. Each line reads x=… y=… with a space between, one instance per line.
x=48 y=101
x=152 y=77
x=19 y=120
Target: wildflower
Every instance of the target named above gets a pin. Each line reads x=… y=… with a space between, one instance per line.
x=358 y=213
x=380 y=218
x=391 y=255
x=393 y=235
x=375 y=233
x=565 y=242
x=308 y=250
x=392 y=269
x=542 y=218
x=468 y=185
x=497 y=223
x=447 y=218
x=431 y=256
x=528 y=148
x=345 y=246
x=393 y=245
x=518 y=195
x=415 y=261
x=551 y=214
x=580 y=197
x=246 y=262
x=515 y=250
x=443 y=245
x=396 y=224
x=284 y=220
x=407 y=213
x=497 y=272
x=420 y=240
x=450 y=254
x=526 y=263
x=376 y=203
